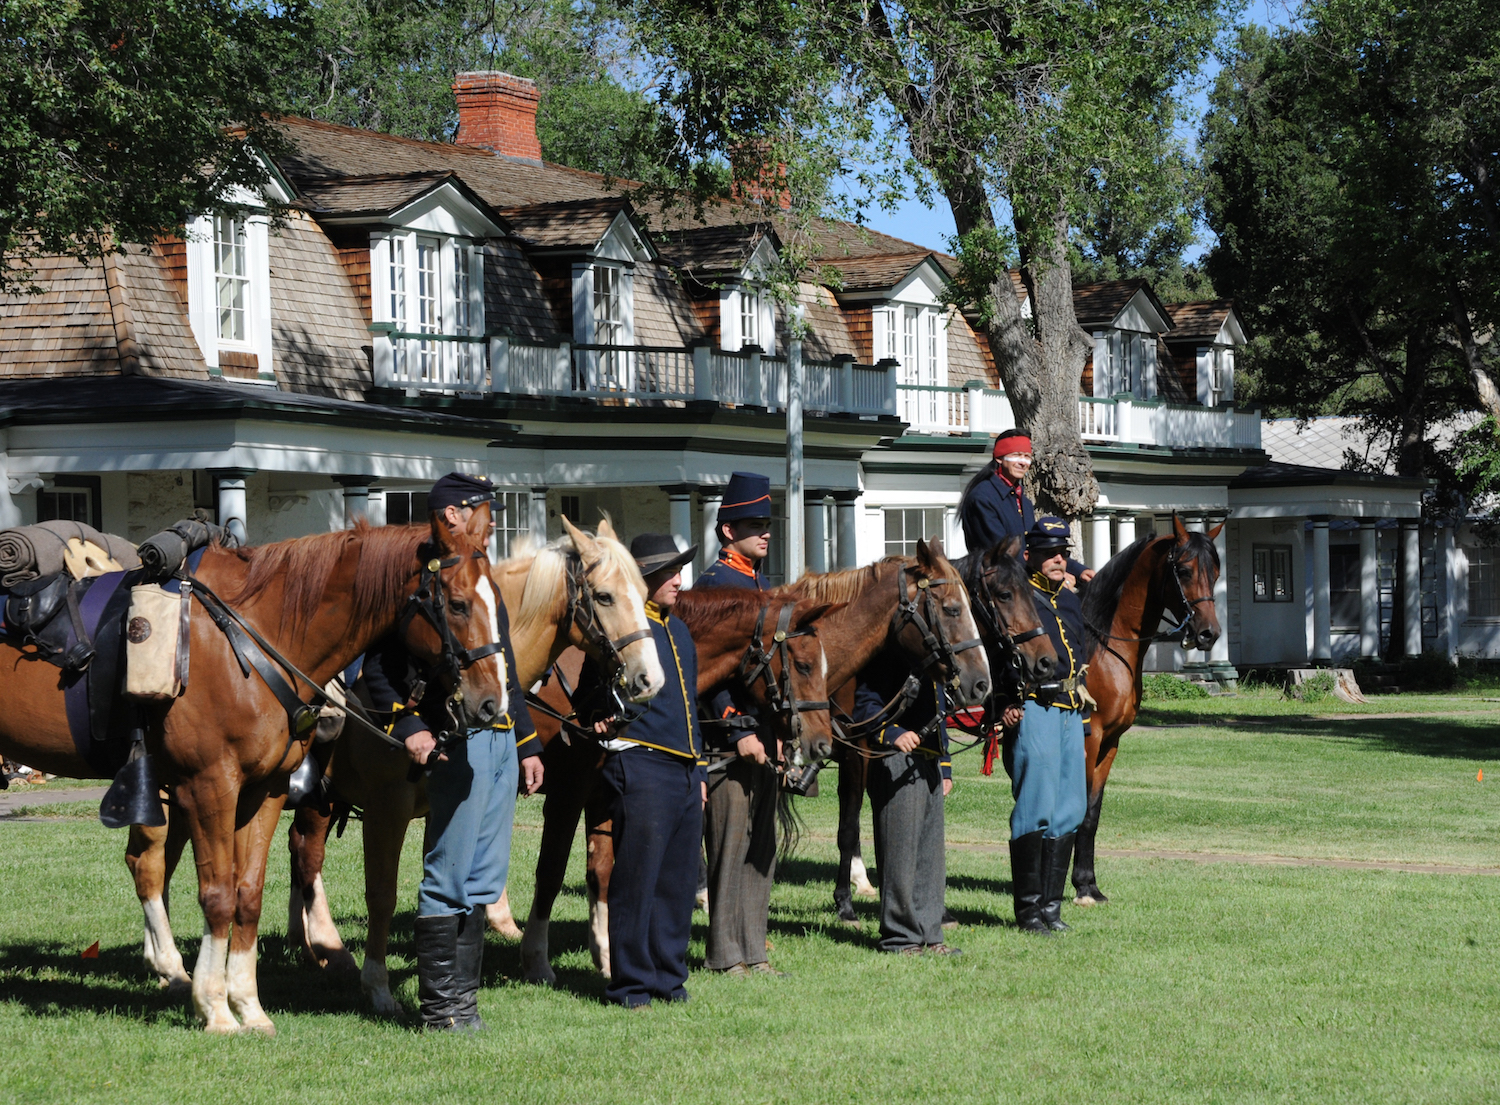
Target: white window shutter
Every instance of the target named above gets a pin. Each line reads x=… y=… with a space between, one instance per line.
x=583 y=304
x=1103 y=370
x=1227 y=375
x=1205 y=373
x=476 y=290
x=729 y=318
x=768 y=323
x=627 y=307
x=1148 y=384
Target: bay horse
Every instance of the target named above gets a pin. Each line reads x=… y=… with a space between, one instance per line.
x=581 y=590
x=1122 y=607
x=1019 y=652
x=225 y=747
x=788 y=687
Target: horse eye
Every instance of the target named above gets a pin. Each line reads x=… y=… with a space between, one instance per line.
x=953 y=611
x=459 y=607
x=604 y=598
x=803 y=667
x=1005 y=596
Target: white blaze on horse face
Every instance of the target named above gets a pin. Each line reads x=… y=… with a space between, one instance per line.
x=491 y=603
x=639 y=656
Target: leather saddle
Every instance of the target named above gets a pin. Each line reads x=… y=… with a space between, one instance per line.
x=34 y=612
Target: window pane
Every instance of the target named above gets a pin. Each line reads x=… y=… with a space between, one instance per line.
x=1272 y=573
x=231 y=278
x=1343 y=579
x=749 y=317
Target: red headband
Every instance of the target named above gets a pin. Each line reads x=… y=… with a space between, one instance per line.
x=1015 y=443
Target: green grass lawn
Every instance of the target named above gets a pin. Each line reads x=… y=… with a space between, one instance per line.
x=1223 y=982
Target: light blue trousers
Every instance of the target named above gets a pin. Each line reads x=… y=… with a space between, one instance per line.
x=472 y=802
x=1045 y=765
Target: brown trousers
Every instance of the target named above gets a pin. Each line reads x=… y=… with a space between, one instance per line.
x=739 y=833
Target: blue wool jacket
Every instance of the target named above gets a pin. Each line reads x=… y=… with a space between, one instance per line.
x=879 y=682
x=995 y=510
x=390 y=674
x=1061 y=614
x=670 y=721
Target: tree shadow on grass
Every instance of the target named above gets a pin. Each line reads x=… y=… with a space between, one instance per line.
x=50 y=980
x=1443 y=738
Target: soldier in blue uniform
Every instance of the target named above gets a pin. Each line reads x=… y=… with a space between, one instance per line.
x=471 y=794
x=1043 y=750
x=907 y=788
x=656 y=785
x=740 y=818
x=995 y=504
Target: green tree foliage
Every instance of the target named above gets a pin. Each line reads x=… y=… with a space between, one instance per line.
x=388 y=65
x=1027 y=107
x=1352 y=164
x=120 y=117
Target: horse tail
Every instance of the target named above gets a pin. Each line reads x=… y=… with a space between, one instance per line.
x=789 y=821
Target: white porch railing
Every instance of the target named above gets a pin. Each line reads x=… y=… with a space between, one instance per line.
x=975 y=409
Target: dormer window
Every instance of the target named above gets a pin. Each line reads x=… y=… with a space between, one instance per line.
x=229 y=294
x=434 y=285
x=1215 y=374
x=747 y=316
x=1124 y=363
x=231 y=279
x=609 y=314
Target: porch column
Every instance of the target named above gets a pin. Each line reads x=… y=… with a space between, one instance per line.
x=1098 y=537
x=847 y=506
x=1369 y=590
x=1322 y=616
x=816 y=512
x=680 y=517
x=1448 y=572
x=709 y=498
x=1411 y=538
x=1218 y=656
x=1126 y=526
x=539 y=515
x=230 y=483
x=356 y=497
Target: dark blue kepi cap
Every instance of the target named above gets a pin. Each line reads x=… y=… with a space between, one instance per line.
x=1048 y=532
x=747 y=496
x=460 y=490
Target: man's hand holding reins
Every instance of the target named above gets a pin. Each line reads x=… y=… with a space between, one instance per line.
x=420 y=745
x=750 y=748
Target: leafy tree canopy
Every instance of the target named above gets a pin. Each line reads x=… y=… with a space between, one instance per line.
x=120 y=117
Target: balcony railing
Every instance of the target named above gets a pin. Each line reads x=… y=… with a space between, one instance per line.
x=629 y=375
x=975 y=409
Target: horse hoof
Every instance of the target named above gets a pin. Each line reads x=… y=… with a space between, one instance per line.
x=222 y=1026
x=845 y=910
x=383 y=1005
x=507 y=930
x=340 y=962
x=867 y=891
x=178 y=989
x=1084 y=900
x=259 y=1028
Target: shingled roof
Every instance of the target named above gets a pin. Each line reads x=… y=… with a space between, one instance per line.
x=1099 y=304
x=567 y=224
x=861 y=274
x=1198 y=320
x=710 y=251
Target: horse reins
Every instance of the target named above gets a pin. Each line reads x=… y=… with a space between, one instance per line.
x=1173 y=634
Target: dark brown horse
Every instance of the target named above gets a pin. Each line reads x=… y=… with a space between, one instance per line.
x=224 y=748
x=1122 y=608
x=1018 y=651
x=725 y=625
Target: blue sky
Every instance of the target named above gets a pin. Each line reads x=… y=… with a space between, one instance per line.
x=932 y=227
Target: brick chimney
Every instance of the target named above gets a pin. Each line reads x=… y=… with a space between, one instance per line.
x=767 y=182
x=497 y=111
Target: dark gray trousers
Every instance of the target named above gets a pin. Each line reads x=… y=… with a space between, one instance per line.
x=739 y=832
x=906 y=801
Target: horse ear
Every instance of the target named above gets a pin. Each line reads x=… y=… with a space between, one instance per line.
x=581 y=541
x=1180 y=529
x=478 y=528
x=607 y=527
x=1012 y=547
x=806 y=615
x=1213 y=534
x=935 y=549
x=924 y=555
x=443 y=537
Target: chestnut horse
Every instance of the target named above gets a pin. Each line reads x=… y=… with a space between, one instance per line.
x=1122 y=607
x=1019 y=652
x=727 y=626
x=579 y=591
x=225 y=747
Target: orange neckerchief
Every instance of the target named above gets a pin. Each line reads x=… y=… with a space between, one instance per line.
x=739 y=562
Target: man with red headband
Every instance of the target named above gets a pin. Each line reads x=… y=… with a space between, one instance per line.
x=995 y=504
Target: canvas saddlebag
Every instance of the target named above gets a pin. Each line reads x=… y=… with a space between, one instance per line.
x=156 y=642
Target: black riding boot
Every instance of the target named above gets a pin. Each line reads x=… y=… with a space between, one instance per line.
x=1026 y=882
x=439 y=989
x=1057 y=854
x=471 y=931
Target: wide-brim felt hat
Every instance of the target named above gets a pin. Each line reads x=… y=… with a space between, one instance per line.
x=1048 y=532
x=655 y=552
x=748 y=495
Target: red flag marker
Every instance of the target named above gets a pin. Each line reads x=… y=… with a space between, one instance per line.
x=1480 y=776
x=91 y=952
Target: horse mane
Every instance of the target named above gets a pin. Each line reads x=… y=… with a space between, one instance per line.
x=841 y=586
x=549 y=566
x=303 y=565
x=1101 y=598
x=713 y=604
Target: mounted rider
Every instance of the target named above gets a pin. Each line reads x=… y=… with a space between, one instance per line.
x=1043 y=749
x=740 y=817
x=908 y=782
x=655 y=786
x=471 y=791
x=995 y=504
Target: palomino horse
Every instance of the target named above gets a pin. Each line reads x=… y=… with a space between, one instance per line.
x=580 y=590
x=224 y=748
x=1019 y=653
x=735 y=632
x=1122 y=607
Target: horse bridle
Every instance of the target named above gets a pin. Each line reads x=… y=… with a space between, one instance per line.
x=914 y=611
x=1177 y=632
x=989 y=619
x=584 y=614
x=756 y=664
